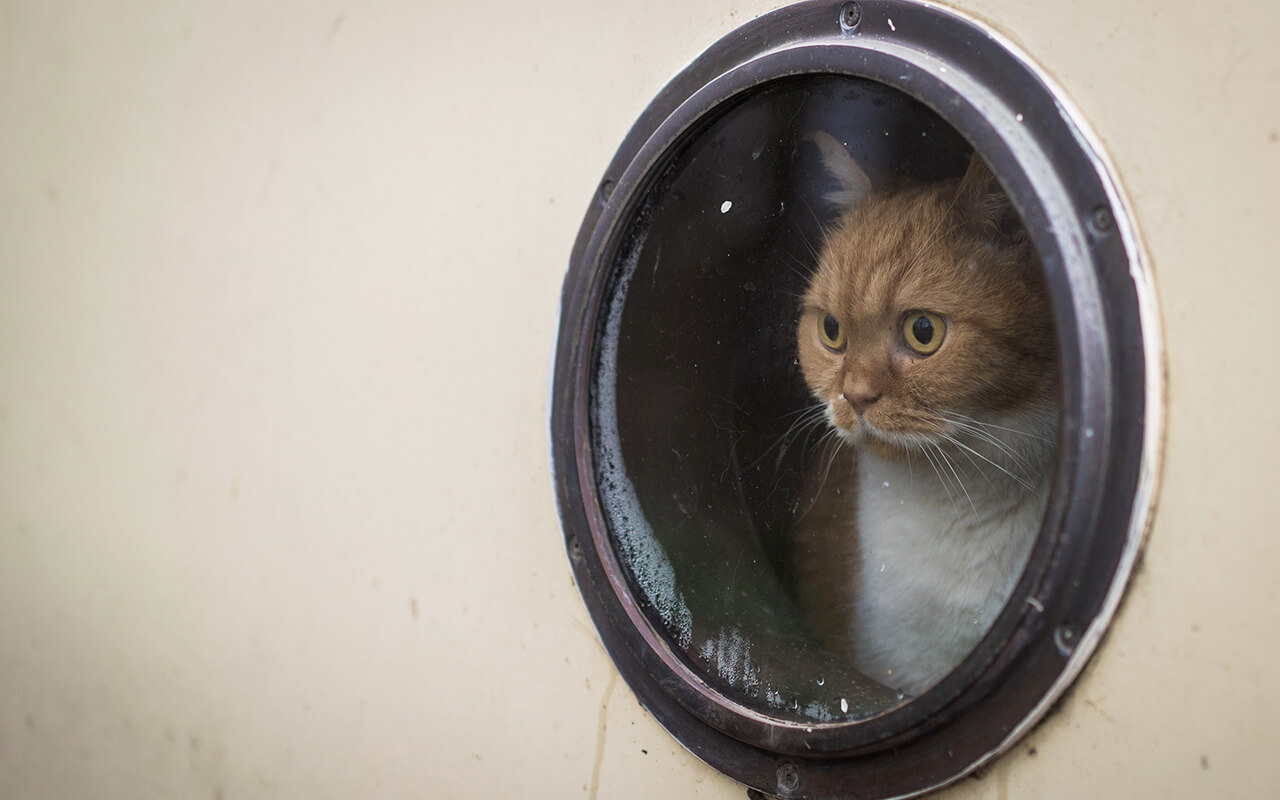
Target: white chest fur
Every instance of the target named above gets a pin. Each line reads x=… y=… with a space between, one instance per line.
x=940 y=547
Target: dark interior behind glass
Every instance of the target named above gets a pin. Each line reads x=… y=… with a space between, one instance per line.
x=697 y=384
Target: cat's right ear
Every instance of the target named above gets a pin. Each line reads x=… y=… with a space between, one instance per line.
x=979 y=199
x=983 y=205
x=855 y=186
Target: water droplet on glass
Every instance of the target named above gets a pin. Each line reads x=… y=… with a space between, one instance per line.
x=1088 y=433
x=844 y=705
x=1018 y=118
x=725 y=206
x=902 y=695
x=885 y=484
x=821 y=680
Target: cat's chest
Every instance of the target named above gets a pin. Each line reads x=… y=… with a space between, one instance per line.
x=929 y=544
x=936 y=563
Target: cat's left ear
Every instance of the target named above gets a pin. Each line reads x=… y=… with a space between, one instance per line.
x=980 y=201
x=855 y=186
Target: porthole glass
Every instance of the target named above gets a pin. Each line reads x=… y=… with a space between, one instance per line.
x=852 y=405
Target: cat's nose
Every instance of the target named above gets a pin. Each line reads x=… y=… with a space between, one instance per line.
x=861 y=395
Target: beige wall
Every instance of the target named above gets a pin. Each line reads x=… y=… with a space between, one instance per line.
x=277 y=289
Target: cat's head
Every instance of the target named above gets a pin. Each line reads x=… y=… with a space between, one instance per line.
x=927 y=308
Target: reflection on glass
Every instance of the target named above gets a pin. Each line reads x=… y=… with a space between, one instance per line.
x=825 y=400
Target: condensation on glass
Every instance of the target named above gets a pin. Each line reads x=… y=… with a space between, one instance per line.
x=700 y=467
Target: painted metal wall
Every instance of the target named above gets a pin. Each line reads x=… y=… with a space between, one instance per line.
x=277 y=293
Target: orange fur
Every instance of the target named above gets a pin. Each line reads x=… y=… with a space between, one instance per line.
x=875 y=576
x=931 y=249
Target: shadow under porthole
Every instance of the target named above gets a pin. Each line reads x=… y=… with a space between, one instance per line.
x=706 y=446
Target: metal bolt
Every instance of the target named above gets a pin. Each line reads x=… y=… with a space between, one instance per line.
x=1066 y=637
x=1100 y=221
x=606 y=190
x=850 y=16
x=788 y=777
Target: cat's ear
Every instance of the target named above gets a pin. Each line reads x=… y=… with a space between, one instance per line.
x=855 y=186
x=980 y=201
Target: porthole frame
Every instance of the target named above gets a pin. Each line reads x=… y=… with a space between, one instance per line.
x=1104 y=485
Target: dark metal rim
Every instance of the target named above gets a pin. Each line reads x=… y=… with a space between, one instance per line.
x=700 y=698
x=1056 y=183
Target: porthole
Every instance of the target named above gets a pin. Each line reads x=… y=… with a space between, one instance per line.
x=836 y=269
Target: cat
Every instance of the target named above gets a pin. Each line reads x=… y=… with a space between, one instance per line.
x=925 y=337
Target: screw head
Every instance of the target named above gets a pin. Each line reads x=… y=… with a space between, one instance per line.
x=1101 y=220
x=788 y=777
x=1066 y=637
x=850 y=16
x=606 y=189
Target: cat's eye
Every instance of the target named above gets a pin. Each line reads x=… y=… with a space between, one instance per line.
x=924 y=332
x=706 y=496
x=832 y=333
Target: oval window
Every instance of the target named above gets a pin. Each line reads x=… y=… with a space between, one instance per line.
x=854 y=405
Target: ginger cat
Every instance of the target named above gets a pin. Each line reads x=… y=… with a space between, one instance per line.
x=926 y=339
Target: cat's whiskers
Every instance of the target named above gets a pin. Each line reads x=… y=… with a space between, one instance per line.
x=816 y=405
x=798 y=267
x=827 y=439
x=953 y=440
x=806 y=418
x=972 y=429
x=813 y=251
x=1001 y=448
x=822 y=227
x=821 y=420
x=945 y=469
x=953 y=416
x=942 y=454
x=835 y=451
x=945 y=485
x=995 y=558
x=978 y=468
x=991 y=547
